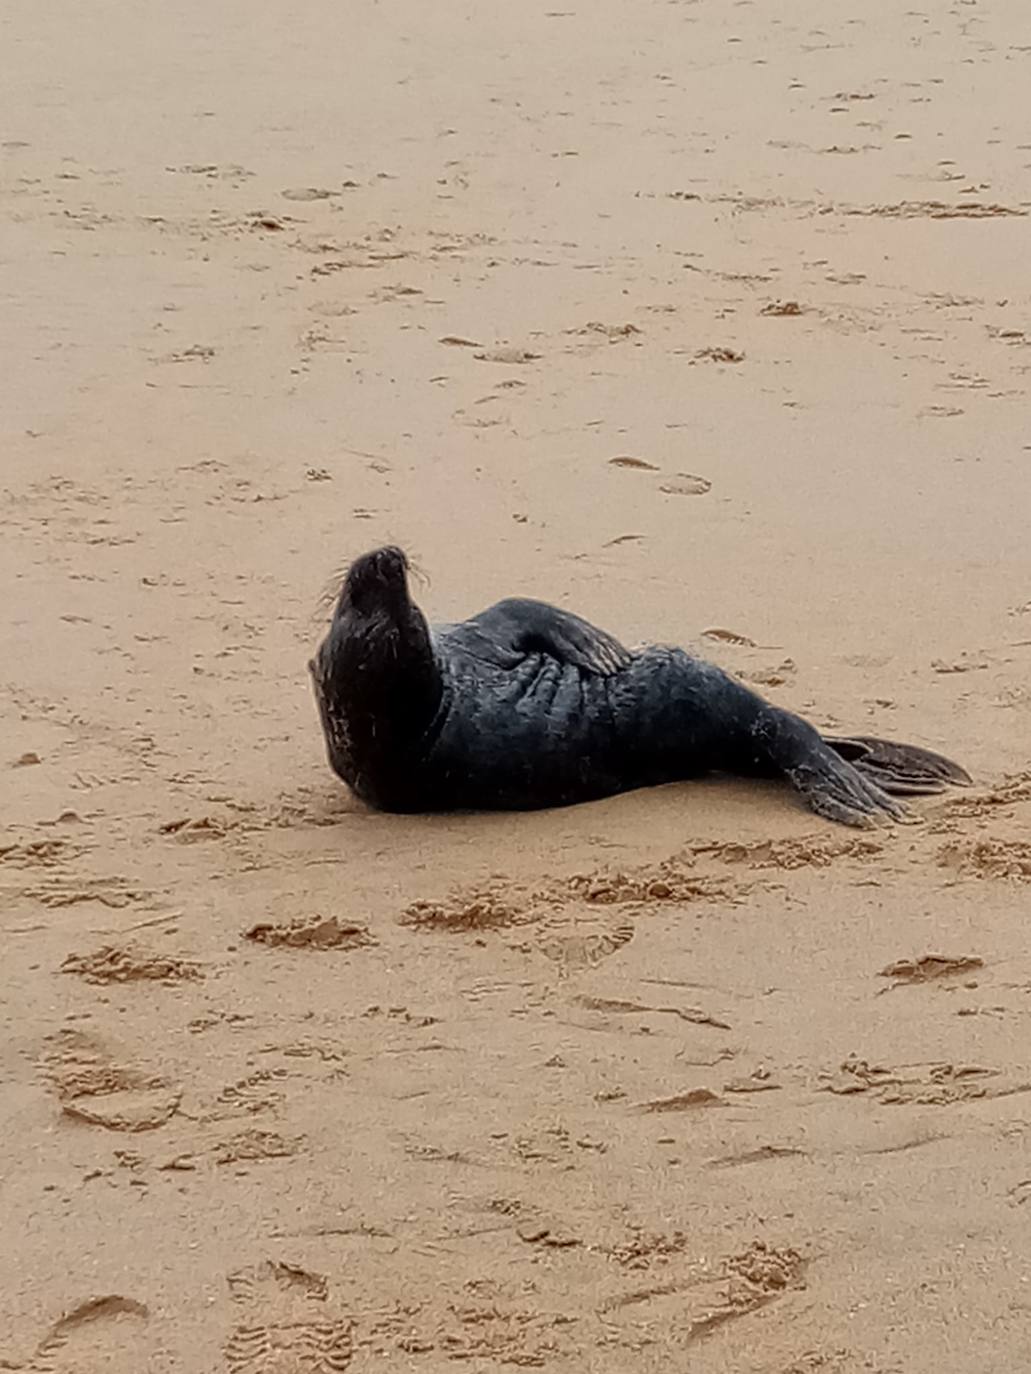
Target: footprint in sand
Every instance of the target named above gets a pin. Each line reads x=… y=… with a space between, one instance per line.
x=938 y=1085
x=253 y=1146
x=931 y=968
x=92 y=1087
x=574 y=950
x=686 y=484
x=311 y=932
x=286 y=1324
x=626 y=460
x=257 y=1092
x=100 y=1333
x=988 y=858
x=114 y=964
x=308 y=193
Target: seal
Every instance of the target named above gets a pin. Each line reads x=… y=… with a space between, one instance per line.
x=527 y=706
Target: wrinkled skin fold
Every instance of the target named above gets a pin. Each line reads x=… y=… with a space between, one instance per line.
x=526 y=706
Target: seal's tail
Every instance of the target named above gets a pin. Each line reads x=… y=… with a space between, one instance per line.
x=900 y=769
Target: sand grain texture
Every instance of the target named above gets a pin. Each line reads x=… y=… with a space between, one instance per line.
x=686 y=316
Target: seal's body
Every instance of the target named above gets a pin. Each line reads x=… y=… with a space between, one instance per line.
x=526 y=706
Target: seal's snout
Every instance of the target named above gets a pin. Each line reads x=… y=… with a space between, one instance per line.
x=377 y=579
x=390 y=561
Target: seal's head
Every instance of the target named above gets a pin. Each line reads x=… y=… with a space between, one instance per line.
x=377 y=583
x=377 y=680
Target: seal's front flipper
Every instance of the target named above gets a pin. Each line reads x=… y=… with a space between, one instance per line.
x=901 y=769
x=514 y=628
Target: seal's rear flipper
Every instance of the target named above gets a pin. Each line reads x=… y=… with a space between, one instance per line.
x=900 y=769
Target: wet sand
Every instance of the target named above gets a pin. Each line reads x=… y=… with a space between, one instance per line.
x=710 y=324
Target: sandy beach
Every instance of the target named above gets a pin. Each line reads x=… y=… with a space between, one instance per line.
x=711 y=322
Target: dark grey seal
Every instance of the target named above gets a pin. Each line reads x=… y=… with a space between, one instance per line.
x=527 y=706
